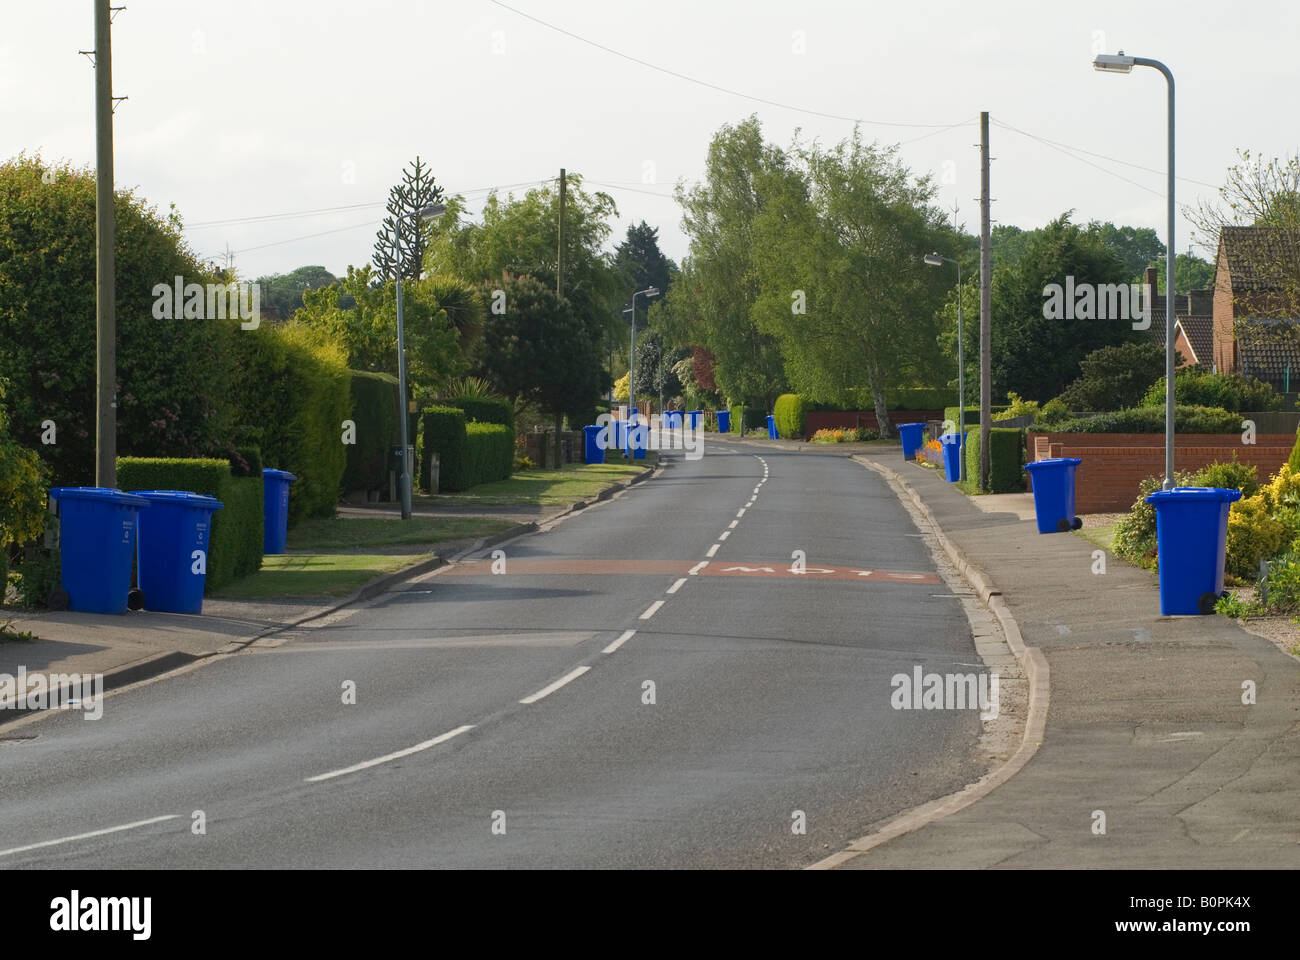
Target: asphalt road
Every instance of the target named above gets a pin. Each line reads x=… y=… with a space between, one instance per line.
x=746 y=694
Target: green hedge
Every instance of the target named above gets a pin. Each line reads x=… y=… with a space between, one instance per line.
x=481 y=410
x=375 y=413
x=919 y=398
x=1187 y=419
x=754 y=418
x=1006 y=458
x=235 y=541
x=442 y=431
x=791 y=413
x=972 y=412
x=292 y=393
x=489 y=453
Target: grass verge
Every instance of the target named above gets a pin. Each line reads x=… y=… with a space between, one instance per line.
x=575 y=481
x=309 y=575
x=351 y=533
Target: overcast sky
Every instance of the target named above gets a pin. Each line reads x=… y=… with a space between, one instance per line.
x=257 y=108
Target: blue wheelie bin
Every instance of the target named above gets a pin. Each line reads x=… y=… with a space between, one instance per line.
x=771 y=428
x=275 y=509
x=172 y=557
x=954 y=448
x=1191 y=540
x=694 y=418
x=724 y=421
x=638 y=436
x=97 y=530
x=672 y=419
x=910 y=434
x=1053 y=482
x=594 y=452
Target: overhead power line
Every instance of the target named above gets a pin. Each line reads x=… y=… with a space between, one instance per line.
x=705 y=83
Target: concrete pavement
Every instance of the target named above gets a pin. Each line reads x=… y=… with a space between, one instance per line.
x=1150 y=757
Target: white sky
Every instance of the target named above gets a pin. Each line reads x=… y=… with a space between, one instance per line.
x=249 y=108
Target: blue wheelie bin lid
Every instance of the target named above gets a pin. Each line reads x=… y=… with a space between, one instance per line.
x=1050 y=462
x=108 y=494
x=278 y=474
x=183 y=497
x=1219 y=494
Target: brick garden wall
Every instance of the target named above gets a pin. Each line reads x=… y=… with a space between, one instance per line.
x=1114 y=464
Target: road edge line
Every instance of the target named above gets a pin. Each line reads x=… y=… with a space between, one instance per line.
x=1031 y=660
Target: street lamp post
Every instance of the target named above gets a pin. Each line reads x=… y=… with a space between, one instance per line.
x=631 y=370
x=935 y=260
x=430 y=212
x=1112 y=63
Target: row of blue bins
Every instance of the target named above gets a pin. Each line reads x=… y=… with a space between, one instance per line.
x=165 y=532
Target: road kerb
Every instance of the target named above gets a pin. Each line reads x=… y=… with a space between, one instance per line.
x=1036 y=670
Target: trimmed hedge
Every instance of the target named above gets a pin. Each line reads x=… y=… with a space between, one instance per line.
x=292 y=392
x=1187 y=419
x=754 y=418
x=235 y=541
x=919 y=398
x=791 y=414
x=375 y=413
x=1006 y=459
x=972 y=412
x=442 y=431
x=483 y=410
x=489 y=453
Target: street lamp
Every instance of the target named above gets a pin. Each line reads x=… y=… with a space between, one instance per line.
x=1112 y=63
x=631 y=375
x=430 y=212
x=935 y=260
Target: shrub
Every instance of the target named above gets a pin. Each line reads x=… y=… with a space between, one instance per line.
x=23 y=481
x=832 y=435
x=36 y=576
x=1198 y=386
x=235 y=541
x=791 y=414
x=1054 y=411
x=489 y=453
x=1006 y=458
x=863 y=434
x=375 y=412
x=1253 y=535
x=1293 y=461
x=1016 y=407
x=246 y=462
x=1282 y=587
x=1230 y=476
x=443 y=432
x=1135 y=534
x=1152 y=420
x=753 y=418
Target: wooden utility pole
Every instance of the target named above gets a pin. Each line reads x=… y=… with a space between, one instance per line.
x=559 y=257
x=986 y=308
x=105 y=268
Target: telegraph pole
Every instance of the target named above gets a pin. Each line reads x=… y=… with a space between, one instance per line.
x=105 y=267
x=559 y=256
x=986 y=308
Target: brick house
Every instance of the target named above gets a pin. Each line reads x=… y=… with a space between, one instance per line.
x=1256 y=310
x=1193 y=323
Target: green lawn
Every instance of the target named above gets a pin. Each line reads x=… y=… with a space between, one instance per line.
x=350 y=533
x=576 y=481
x=312 y=575
x=1101 y=536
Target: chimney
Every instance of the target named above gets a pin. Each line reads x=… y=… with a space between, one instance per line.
x=1152 y=273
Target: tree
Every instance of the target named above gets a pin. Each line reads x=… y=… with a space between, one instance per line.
x=23 y=479
x=710 y=304
x=282 y=292
x=416 y=191
x=1135 y=246
x=640 y=262
x=1190 y=273
x=536 y=348
x=839 y=247
x=441 y=317
x=1117 y=377
x=1032 y=355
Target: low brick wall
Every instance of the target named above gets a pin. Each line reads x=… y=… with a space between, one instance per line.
x=1115 y=464
x=828 y=419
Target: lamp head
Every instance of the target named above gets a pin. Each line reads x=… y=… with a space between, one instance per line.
x=432 y=211
x=1113 y=63
x=934 y=260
